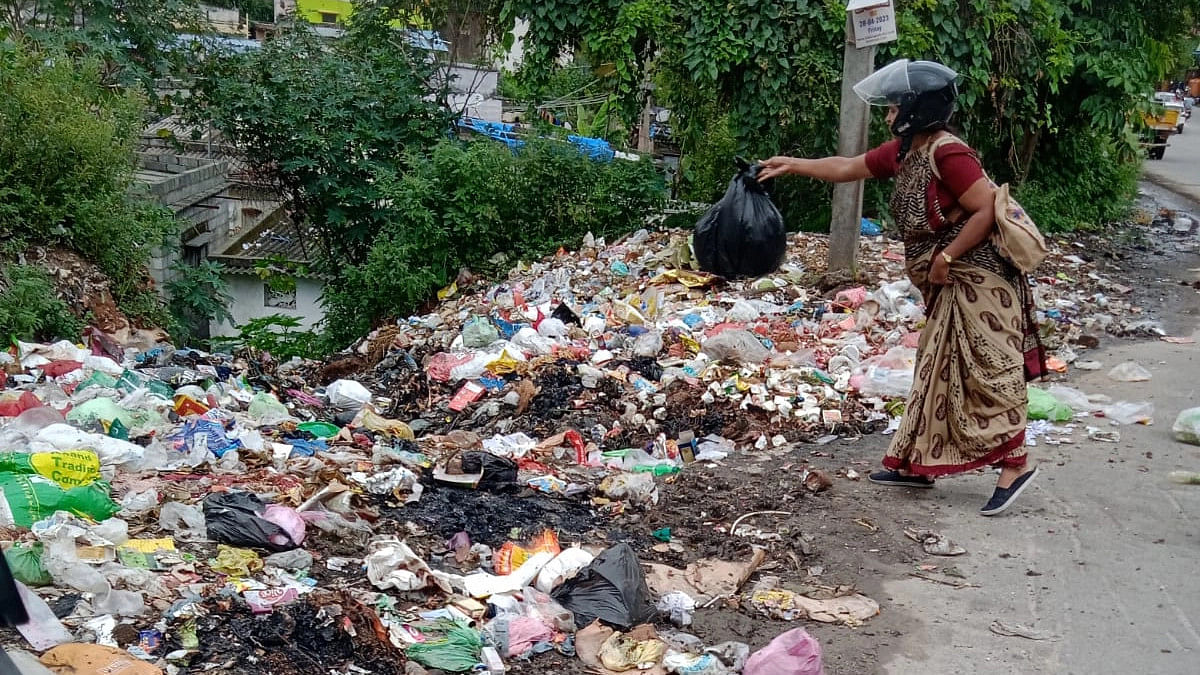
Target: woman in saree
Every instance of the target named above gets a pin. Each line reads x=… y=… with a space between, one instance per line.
x=979 y=347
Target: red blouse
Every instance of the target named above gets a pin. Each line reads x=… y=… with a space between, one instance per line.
x=958 y=165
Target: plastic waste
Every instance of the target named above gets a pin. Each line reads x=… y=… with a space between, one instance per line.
x=111 y=451
x=137 y=503
x=736 y=346
x=648 y=344
x=238 y=519
x=742 y=235
x=347 y=396
x=1126 y=412
x=870 y=228
x=25 y=563
x=564 y=566
x=392 y=564
x=1130 y=371
x=498 y=472
x=1043 y=406
x=678 y=606
x=102 y=409
x=297 y=559
x=185 y=520
x=28 y=499
x=1077 y=400
x=30 y=422
x=638 y=488
x=450 y=646
x=43 y=630
x=200 y=437
x=612 y=589
x=889 y=376
x=479 y=333
x=1187 y=426
x=235 y=562
x=792 y=653
x=267 y=410
x=1185 y=477
x=552 y=328
x=742 y=312
x=68 y=469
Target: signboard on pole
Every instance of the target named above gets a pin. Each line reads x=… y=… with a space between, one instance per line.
x=874 y=22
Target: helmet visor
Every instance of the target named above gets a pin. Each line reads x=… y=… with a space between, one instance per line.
x=885 y=85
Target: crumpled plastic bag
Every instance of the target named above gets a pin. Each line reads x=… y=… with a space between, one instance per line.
x=678 y=606
x=25 y=563
x=1077 y=400
x=612 y=589
x=793 y=653
x=347 y=396
x=638 y=488
x=479 y=333
x=1130 y=371
x=235 y=562
x=1187 y=426
x=621 y=652
x=267 y=410
x=392 y=564
x=185 y=520
x=735 y=346
x=237 y=519
x=1043 y=406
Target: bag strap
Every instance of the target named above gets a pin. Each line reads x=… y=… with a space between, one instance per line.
x=939 y=143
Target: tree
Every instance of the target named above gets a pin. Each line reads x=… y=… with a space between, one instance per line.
x=768 y=71
x=66 y=168
x=135 y=40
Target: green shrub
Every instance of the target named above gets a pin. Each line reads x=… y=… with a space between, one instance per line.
x=277 y=334
x=66 y=168
x=30 y=309
x=466 y=203
x=198 y=295
x=1093 y=183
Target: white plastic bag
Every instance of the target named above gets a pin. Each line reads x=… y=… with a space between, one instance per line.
x=1075 y=399
x=564 y=566
x=1130 y=371
x=347 y=396
x=1125 y=412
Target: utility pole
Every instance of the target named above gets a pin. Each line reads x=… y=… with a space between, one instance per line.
x=868 y=23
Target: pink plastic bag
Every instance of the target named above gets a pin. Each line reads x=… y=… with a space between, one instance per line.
x=443 y=363
x=793 y=653
x=288 y=519
x=524 y=633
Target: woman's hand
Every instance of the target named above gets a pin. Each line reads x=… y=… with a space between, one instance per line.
x=939 y=271
x=776 y=166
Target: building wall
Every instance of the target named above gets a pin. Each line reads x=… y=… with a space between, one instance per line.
x=248 y=302
x=311 y=10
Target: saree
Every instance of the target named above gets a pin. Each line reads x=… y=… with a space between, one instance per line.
x=979 y=346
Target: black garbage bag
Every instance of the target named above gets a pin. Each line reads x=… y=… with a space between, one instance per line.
x=612 y=589
x=498 y=472
x=742 y=235
x=234 y=518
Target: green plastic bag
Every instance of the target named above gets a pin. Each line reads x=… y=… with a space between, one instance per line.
x=98 y=378
x=25 y=561
x=1187 y=426
x=266 y=409
x=24 y=500
x=69 y=469
x=456 y=651
x=103 y=409
x=1043 y=406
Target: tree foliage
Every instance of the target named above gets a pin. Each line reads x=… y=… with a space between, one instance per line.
x=136 y=41
x=66 y=167
x=1035 y=72
x=326 y=119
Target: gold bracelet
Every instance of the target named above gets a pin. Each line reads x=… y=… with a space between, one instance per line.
x=947 y=257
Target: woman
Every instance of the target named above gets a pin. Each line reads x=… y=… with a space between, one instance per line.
x=968 y=403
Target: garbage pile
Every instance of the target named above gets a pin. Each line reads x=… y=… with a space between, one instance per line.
x=438 y=496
